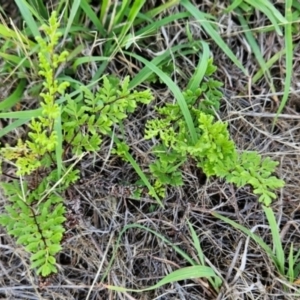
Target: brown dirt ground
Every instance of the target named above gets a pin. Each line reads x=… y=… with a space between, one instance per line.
x=102 y=208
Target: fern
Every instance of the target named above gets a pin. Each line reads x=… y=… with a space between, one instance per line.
x=84 y=124
x=214 y=151
x=36 y=225
x=35 y=214
x=252 y=169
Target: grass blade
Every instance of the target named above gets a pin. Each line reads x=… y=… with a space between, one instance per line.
x=176 y=92
x=215 y=282
x=123 y=7
x=88 y=59
x=255 y=48
x=138 y=170
x=255 y=237
x=40 y=8
x=160 y=9
x=288 y=56
x=12 y=126
x=290 y=273
x=196 y=244
x=261 y=4
x=200 y=17
x=16 y=60
x=92 y=16
x=153 y=27
x=270 y=11
x=9 y=34
x=135 y=9
x=146 y=72
x=27 y=16
x=28 y=114
x=14 y=98
x=268 y=65
x=279 y=253
x=178 y=275
x=104 y=9
x=191 y=272
x=198 y=76
x=235 y=4
x=73 y=12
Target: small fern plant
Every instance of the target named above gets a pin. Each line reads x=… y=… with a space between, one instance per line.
x=214 y=151
x=35 y=213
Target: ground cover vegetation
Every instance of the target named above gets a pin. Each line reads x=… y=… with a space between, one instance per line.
x=144 y=144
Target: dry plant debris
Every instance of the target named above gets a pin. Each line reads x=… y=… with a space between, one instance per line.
x=99 y=206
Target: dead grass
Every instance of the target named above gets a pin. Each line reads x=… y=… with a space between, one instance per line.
x=99 y=209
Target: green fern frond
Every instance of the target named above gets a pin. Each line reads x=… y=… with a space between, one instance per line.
x=35 y=215
x=214 y=151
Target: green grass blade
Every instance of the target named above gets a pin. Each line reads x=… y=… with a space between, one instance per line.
x=135 y=9
x=16 y=60
x=162 y=8
x=200 y=17
x=123 y=7
x=235 y=4
x=176 y=92
x=40 y=8
x=12 y=126
x=279 y=253
x=195 y=271
x=196 y=244
x=296 y=265
x=290 y=273
x=288 y=37
x=28 y=114
x=100 y=71
x=73 y=12
x=153 y=27
x=88 y=59
x=270 y=11
x=296 y=4
x=104 y=9
x=8 y=33
x=268 y=65
x=198 y=76
x=14 y=98
x=178 y=275
x=27 y=16
x=161 y=237
x=92 y=16
x=178 y=250
x=145 y=72
x=255 y=237
x=151 y=14
x=215 y=282
x=261 y=4
x=255 y=48
x=138 y=170
x=74 y=53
